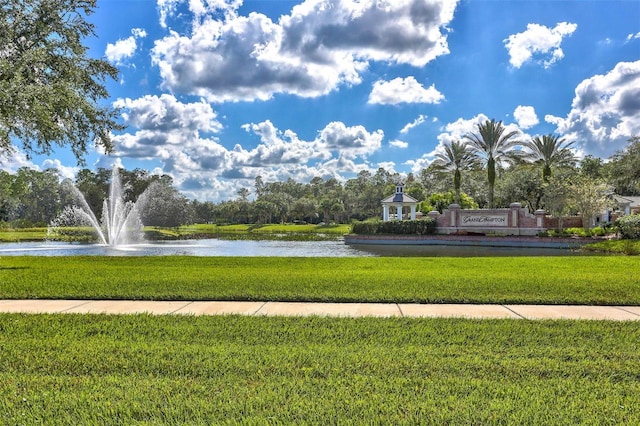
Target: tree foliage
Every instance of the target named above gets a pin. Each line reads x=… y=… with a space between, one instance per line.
x=623 y=171
x=629 y=226
x=49 y=88
x=457 y=157
x=494 y=145
x=439 y=201
x=549 y=151
x=590 y=198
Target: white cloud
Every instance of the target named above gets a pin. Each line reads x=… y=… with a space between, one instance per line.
x=525 y=116
x=138 y=32
x=403 y=90
x=456 y=131
x=350 y=142
x=421 y=163
x=14 y=159
x=605 y=111
x=398 y=144
x=65 y=171
x=538 y=40
x=184 y=138
x=166 y=8
x=632 y=37
x=389 y=166
x=277 y=148
x=125 y=48
x=418 y=121
x=170 y=131
x=552 y=119
x=166 y=113
x=319 y=46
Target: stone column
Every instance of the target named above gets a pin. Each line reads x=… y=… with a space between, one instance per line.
x=454 y=211
x=385 y=213
x=413 y=212
x=540 y=214
x=399 y=211
x=515 y=211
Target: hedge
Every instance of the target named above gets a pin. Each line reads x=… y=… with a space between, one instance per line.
x=398 y=227
x=629 y=227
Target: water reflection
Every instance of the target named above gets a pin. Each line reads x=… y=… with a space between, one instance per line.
x=215 y=247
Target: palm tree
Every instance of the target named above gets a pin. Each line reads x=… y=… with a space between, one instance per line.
x=549 y=151
x=457 y=157
x=493 y=145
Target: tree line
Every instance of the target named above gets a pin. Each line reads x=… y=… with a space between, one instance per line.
x=556 y=182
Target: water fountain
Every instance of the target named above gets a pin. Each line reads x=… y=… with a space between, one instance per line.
x=120 y=225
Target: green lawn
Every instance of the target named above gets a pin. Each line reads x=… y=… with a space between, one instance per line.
x=268 y=231
x=97 y=369
x=142 y=369
x=22 y=234
x=608 y=280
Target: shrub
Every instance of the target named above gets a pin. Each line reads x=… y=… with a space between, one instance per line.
x=629 y=227
x=397 y=227
x=578 y=232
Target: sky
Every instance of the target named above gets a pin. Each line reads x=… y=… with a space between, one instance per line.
x=217 y=92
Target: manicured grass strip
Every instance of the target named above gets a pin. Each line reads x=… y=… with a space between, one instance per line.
x=22 y=234
x=553 y=280
x=94 y=369
x=629 y=247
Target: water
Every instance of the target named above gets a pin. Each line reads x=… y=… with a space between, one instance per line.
x=215 y=247
x=120 y=224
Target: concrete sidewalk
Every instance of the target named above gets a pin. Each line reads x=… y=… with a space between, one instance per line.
x=532 y=312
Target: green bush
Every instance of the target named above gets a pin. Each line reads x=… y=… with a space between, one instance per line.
x=598 y=231
x=396 y=227
x=629 y=227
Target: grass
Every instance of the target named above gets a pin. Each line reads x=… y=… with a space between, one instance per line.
x=240 y=231
x=11 y=235
x=612 y=280
x=142 y=369
x=97 y=369
x=629 y=247
x=268 y=231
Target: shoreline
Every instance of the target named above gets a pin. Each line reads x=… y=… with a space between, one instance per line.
x=470 y=240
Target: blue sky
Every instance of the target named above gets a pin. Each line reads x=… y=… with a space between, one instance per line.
x=217 y=92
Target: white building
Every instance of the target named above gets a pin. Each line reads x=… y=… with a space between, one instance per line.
x=397 y=202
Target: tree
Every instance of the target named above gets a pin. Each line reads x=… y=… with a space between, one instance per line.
x=163 y=205
x=8 y=201
x=549 y=151
x=442 y=200
x=557 y=198
x=244 y=193
x=592 y=166
x=623 y=171
x=326 y=204
x=590 y=197
x=94 y=187
x=520 y=183
x=337 y=209
x=493 y=145
x=49 y=88
x=304 y=209
x=264 y=210
x=456 y=158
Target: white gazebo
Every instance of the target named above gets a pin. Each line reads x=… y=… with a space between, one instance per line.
x=398 y=201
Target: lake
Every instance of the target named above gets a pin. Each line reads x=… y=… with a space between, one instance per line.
x=216 y=247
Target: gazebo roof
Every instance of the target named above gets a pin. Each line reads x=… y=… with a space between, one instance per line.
x=399 y=198
x=631 y=201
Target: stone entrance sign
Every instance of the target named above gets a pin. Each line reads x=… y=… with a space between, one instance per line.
x=515 y=220
x=483 y=220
